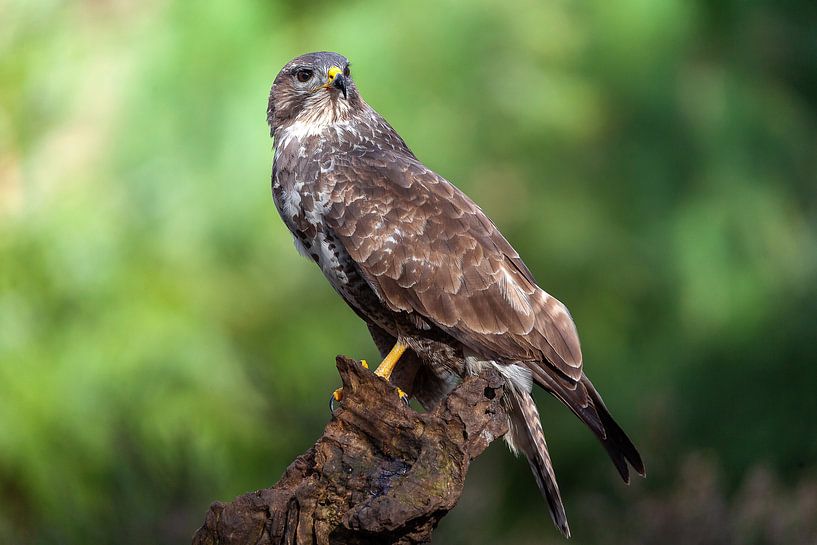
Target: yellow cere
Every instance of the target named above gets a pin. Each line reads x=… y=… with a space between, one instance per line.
x=334 y=71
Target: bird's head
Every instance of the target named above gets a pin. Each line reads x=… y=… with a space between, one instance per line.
x=315 y=88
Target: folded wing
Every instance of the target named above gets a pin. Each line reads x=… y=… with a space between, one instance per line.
x=424 y=247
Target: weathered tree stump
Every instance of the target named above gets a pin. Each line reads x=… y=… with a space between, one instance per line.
x=380 y=473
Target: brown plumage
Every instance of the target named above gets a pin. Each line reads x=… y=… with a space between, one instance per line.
x=419 y=261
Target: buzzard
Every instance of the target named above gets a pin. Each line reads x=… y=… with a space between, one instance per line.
x=438 y=285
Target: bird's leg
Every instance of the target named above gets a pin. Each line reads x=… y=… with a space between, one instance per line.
x=388 y=364
x=383 y=370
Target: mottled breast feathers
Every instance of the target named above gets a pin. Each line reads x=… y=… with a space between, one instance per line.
x=424 y=247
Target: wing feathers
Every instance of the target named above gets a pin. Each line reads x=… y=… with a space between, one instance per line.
x=427 y=248
x=583 y=399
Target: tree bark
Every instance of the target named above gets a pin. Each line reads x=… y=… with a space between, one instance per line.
x=381 y=473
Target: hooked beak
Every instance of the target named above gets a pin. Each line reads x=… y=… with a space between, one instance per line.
x=336 y=80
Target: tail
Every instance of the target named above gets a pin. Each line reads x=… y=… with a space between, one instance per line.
x=615 y=441
x=527 y=436
x=586 y=403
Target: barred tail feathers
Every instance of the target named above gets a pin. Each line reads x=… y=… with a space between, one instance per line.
x=526 y=435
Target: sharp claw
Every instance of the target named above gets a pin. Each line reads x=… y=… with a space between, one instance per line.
x=403 y=396
x=337 y=395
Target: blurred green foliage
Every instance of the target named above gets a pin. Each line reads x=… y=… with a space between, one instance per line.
x=162 y=344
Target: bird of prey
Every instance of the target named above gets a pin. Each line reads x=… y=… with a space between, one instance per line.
x=438 y=285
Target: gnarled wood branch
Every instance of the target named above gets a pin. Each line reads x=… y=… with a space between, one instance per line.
x=380 y=473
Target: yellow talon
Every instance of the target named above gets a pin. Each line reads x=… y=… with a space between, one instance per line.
x=337 y=395
x=403 y=397
x=383 y=370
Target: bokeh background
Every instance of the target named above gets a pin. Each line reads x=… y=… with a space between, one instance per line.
x=162 y=344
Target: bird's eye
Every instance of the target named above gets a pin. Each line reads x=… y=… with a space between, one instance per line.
x=304 y=75
x=346 y=71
